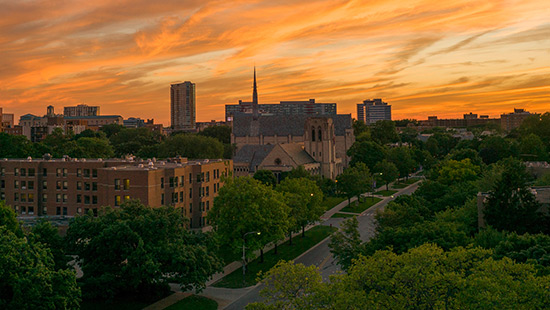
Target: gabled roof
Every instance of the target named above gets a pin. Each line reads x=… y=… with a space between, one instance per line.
x=252 y=154
x=284 y=125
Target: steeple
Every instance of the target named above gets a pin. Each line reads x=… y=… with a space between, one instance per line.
x=255 y=97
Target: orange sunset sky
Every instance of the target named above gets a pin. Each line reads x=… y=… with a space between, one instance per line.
x=431 y=57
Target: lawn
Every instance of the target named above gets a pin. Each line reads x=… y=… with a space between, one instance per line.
x=385 y=193
x=369 y=202
x=342 y=215
x=286 y=252
x=404 y=184
x=194 y=302
x=329 y=202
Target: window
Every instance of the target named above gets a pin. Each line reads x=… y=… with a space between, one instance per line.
x=94 y=200
x=190 y=208
x=190 y=193
x=161 y=182
x=15 y=184
x=58 y=211
x=23 y=197
x=44 y=197
x=94 y=173
x=65 y=185
x=215 y=187
x=162 y=199
x=207 y=176
x=44 y=184
x=23 y=210
x=31 y=172
x=23 y=172
x=2 y=171
x=78 y=185
x=64 y=210
x=58 y=198
x=312 y=134
x=2 y=196
x=44 y=210
x=87 y=199
x=78 y=198
x=117 y=200
x=64 y=197
x=30 y=184
x=16 y=171
x=65 y=172
x=94 y=186
x=320 y=136
x=126 y=184
x=171 y=180
x=79 y=210
x=175 y=181
x=174 y=197
x=31 y=197
x=58 y=172
x=181 y=196
x=87 y=186
x=15 y=196
x=126 y=197
x=79 y=172
x=182 y=180
x=86 y=173
x=190 y=178
x=58 y=185
x=31 y=210
x=117 y=184
x=207 y=191
x=207 y=205
x=23 y=184
x=44 y=172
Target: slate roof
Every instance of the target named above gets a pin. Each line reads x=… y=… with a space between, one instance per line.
x=252 y=154
x=284 y=125
x=297 y=153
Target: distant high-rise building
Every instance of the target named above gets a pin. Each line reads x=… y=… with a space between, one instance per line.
x=509 y=121
x=372 y=111
x=182 y=106
x=81 y=110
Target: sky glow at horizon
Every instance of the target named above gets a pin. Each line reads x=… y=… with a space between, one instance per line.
x=423 y=57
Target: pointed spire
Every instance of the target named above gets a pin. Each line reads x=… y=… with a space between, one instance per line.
x=255 y=97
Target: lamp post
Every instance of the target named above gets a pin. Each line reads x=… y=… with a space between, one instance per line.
x=244 y=251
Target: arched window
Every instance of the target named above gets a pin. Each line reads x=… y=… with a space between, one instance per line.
x=320 y=134
x=312 y=133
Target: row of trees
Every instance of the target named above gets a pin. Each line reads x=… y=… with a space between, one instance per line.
x=116 y=141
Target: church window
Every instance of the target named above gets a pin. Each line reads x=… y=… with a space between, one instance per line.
x=320 y=134
x=312 y=134
x=277 y=161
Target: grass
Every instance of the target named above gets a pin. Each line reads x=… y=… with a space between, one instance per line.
x=386 y=193
x=342 y=215
x=369 y=202
x=285 y=252
x=403 y=183
x=194 y=302
x=331 y=201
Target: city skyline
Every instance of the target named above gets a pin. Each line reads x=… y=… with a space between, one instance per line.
x=422 y=58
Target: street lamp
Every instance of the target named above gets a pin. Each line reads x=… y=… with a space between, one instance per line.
x=244 y=251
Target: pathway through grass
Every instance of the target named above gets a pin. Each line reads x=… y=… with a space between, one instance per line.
x=369 y=202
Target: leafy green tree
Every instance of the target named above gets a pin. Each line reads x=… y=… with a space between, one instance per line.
x=133 y=141
x=15 y=146
x=532 y=148
x=44 y=232
x=440 y=144
x=291 y=286
x=222 y=133
x=132 y=249
x=95 y=148
x=384 y=132
x=495 y=148
x=266 y=177
x=511 y=205
x=191 y=146
x=345 y=244
x=367 y=152
x=28 y=278
x=245 y=205
x=295 y=173
x=355 y=181
x=467 y=153
x=452 y=171
x=304 y=198
x=359 y=127
x=402 y=159
x=538 y=125
x=544 y=180
x=387 y=172
x=111 y=129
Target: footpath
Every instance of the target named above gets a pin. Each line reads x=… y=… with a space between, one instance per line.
x=225 y=296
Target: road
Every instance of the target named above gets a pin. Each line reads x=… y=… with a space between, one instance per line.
x=320 y=256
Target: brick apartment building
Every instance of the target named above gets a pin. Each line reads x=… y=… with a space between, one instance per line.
x=68 y=187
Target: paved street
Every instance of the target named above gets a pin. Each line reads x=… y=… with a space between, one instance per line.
x=320 y=256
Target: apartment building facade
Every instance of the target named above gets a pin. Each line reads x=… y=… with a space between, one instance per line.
x=71 y=187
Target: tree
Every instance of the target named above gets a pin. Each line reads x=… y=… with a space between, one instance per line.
x=402 y=159
x=453 y=172
x=367 y=152
x=291 y=286
x=245 y=205
x=45 y=233
x=440 y=144
x=355 y=181
x=266 y=177
x=298 y=172
x=345 y=244
x=133 y=248
x=495 y=148
x=28 y=279
x=359 y=127
x=95 y=148
x=532 y=148
x=15 y=146
x=222 y=133
x=511 y=205
x=387 y=172
x=138 y=141
x=384 y=132
x=191 y=146
x=304 y=198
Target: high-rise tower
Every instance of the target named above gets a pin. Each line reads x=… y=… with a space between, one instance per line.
x=182 y=106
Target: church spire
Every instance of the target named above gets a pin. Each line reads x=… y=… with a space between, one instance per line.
x=255 y=97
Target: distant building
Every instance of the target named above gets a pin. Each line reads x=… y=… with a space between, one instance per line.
x=213 y=123
x=468 y=120
x=81 y=110
x=309 y=107
x=134 y=122
x=6 y=121
x=372 y=111
x=69 y=187
x=182 y=106
x=510 y=121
